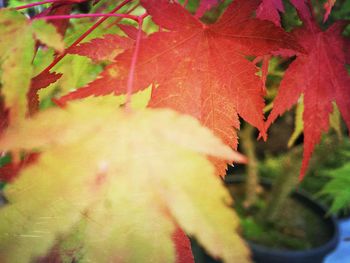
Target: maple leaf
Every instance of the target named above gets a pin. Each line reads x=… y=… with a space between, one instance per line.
x=9 y=171
x=47 y=34
x=128 y=181
x=304 y=10
x=131 y=31
x=183 y=247
x=106 y=48
x=73 y=71
x=39 y=82
x=320 y=75
x=18 y=36
x=58 y=8
x=201 y=69
x=334 y=122
x=269 y=10
x=328 y=7
x=3 y=115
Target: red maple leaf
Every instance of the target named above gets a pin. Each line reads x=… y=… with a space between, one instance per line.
x=320 y=75
x=45 y=78
x=131 y=31
x=328 y=7
x=347 y=47
x=59 y=8
x=106 y=48
x=303 y=7
x=4 y=115
x=9 y=171
x=200 y=69
x=269 y=10
x=183 y=247
x=40 y=81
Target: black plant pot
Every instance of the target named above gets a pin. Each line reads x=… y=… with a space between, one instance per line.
x=343 y=215
x=3 y=3
x=262 y=254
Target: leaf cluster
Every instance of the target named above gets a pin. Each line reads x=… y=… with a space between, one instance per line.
x=118 y=173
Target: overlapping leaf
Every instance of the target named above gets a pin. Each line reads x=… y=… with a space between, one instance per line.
x=106 y=48
x=40 y=81
x=4 y=118
x=320 y=75
x=129 y=175
x=59 y=8
x=201 y=69
x=73 y=71
x=328 y=8
x=269 y=10
x=16 y=55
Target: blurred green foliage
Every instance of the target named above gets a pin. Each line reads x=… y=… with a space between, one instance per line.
x=337 y=189
x=328 y=178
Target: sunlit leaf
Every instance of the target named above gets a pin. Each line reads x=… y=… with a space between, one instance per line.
x=16 y=55
x=129 y=174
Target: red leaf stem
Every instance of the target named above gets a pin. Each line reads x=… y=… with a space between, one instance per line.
x=134 y=60
x=88 y=15
x=33 y=102
x=35 y=4
x=83 y=36
x=128 y=12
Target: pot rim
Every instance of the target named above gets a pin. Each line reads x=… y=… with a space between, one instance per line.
x=311 y=203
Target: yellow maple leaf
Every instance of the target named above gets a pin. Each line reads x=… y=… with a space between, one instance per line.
x=18 y=35
x=130 y=175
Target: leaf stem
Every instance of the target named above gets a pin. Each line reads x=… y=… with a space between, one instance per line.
x=35 y=4
x=133 y=61
x=33 y=102
x=135 y=18
x=128 y=12
x=83 y=36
